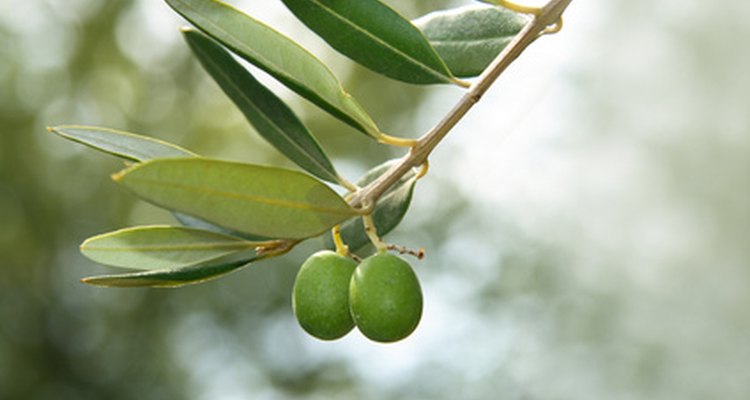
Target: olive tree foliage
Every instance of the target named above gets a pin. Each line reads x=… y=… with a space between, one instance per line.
x=235 y=214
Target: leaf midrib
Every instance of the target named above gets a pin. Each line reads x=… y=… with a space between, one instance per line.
x=170 y=247
x=244 y=196
x=385 y=44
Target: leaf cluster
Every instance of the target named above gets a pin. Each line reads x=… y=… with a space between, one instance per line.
x=233 y=214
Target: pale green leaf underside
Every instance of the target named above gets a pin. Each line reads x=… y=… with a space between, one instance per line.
x=161 y=247
x=468 y=38
x=374 y=35
x=388 y=213
x=265 y=201
x=278 y=55
x=273 y=119
x=126 y=145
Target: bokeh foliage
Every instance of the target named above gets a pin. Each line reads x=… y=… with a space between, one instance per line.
x=599 y=252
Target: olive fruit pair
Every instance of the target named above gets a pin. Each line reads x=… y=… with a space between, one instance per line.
x=381 y=296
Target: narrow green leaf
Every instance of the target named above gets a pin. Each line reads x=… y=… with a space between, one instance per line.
x=267 y=113
x=129 y=146
x=278 y=55
x=265 y=201
x=389 y=211
x=468 y=38
x=172 y=277
x=159 y=247
x=374 y=35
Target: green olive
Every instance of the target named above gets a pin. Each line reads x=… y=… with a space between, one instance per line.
x=385 y=298
x=321 y=295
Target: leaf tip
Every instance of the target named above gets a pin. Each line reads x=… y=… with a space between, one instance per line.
x=117 y=176
x=57 y=130
x=98 y=281
x=89 y=280
x=84 y=246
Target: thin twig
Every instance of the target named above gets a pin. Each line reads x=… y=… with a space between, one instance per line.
x=548 y=15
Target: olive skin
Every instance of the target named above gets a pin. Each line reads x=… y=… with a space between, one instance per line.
x=385 y=298
x=320 y=297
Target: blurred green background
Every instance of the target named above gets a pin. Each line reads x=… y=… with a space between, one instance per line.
x=587 y=226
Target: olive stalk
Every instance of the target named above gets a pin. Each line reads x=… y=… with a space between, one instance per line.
x=542 y=18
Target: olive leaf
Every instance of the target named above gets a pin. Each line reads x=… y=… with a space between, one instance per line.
x=159 y=247
x=374 y=35
x=260 y=200
x=468 y=38
x=278 y=55
x=172 y=277
x=129 y=146
x=273 y=119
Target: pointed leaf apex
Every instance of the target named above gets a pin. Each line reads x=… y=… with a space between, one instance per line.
x=117 y=176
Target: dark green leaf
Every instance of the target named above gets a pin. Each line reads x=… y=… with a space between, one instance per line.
x=161 y=247
x=278 y=55
x=469 y=38
x=265 y=201
x=126 y=145
x=388 y=213
x=374 y=35
x=267 y=113
x=172 y=277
